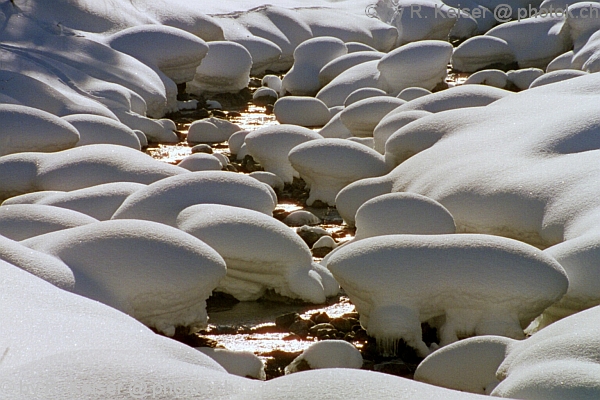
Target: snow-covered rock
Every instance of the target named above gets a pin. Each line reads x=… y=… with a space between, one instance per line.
x=242 y=237
x=96 y=129
x=327 y=354
x=360 y=76
x=155 y=273
x=482 y=52
x=556 y=76
x=29 y=129
x=201 y=162
x=78 y=168
x=327 y=165
x=391 y=123
x=270 y=146
x=411 y=93
x=268 y=178
x=163 y=200
x=301 y=218
x=335 y=128
x=402 y=213
x=22 y=221
x=522 y=78
x=309 y=57
x=562 y=61
x=362 y=117
x=483 y=285
x=236 y=140
x=340 y=64
x=490 y=77
x=588 y=57
x=422 y=64
x=240 y=363
x=264 y=96
x=302 y=111
x=225 y=69
x=211 y=130
x=361 y=94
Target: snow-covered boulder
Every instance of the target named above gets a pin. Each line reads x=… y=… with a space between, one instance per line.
x=360 y=76
x=37 y=263
x=96 y=129
x=301 y=218
x=355 y=47
x=340 y=64
x=490 y=77
x=468 y=365
x=270 y=146
x=362 y=117
x=211 y=130
x=411 y=93
x=163 y=200
x=269 y=178
x=243 y=238
x=29 y=129
x=588 y=57
x=264 y=96
x=327 y=165
x=174 y=52
x=556 y=76
x=327 y=354
x=561 y=62
x=483 y=285
x=522 y=78
x=225 y=69
x=482 y=52
x=155 y=273
x=240 y=363
x=22 y=221
x=236 y=141
x=99 y=201
x=78 y=168
x=302 y=111
x=201 y=162
x=309 y=57
x=391 y=123
x=422 y=64
x=335 y=128
x=361 y=94
x=273 y=82
x=264 y=52
x=402 y=213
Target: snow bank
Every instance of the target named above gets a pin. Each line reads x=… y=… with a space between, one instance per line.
x=22 y=221
x=327 y=354
x=95 y=129
x=78 y=168
x=270 y=146
x=402 y=213
x=483 y=285
x=327 y=165
x=302 y=111
x=243 y=238
x=163 y=200
x=362 y=117
x=240 y=363
x=29 y=129
x=125 y=264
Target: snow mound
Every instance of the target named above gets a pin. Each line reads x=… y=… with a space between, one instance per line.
x=39 y=264
x=78 y=168
x=561 y=62
x=236 y=141
x=211 y=130
x=301 y=218
x=22 y=221
x=340 y=64
x=522 y=78
x=157 y=274
x=163 y=200
x=361 y=94
x=357 y=77
x=99 y=202
x=29 y=129
x=264 y=96
x=327 y=165
x=490 y=77
x=268 y=178
x=362 y=117
x=588 y=57
x=302 y=111
x=327 y=354
x=402 y=213
x=201 y=162
x=242 y=237
x=483 y=285
x=411 y=93
x=422 y=64
x=240 y=363
x=482 y=52
x=309 y=57
x=225 y=69
x=335 y=128
x=270 y=146
x=556 y=76
x=391 y=123
x=468 y=365
x=96 y=129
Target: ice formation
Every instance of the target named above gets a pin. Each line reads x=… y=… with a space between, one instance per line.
x=155 y=273
x=327 y=354
x=163 y=200
x=22 y=221
x=261 y=253
x=327 y=165
x=402 y=213
x=462 y=284
x=270 y=146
